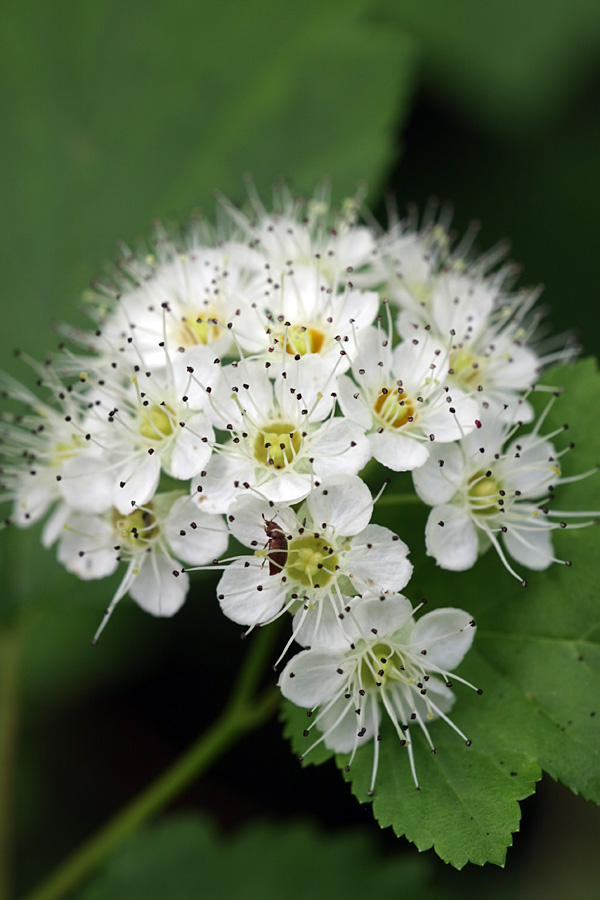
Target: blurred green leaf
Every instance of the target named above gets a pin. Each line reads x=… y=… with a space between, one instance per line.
x=113 y=114
x=183 y=858
x=512 y=66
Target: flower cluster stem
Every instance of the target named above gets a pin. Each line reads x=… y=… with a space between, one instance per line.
x=391 y=499
x=10 y=656
x=244 y=712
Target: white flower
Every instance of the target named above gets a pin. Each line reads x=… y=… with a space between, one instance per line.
x=388 y=665
x=149 y=427
x=277 y=440
x=178 y=298
x=484 y=492
x=400 y=396
x=299 y=317
x=151 y=539
x=321 y=556
x=465 y=304
x=49 y=452
x=308 y=234
x=483 y=345
x=416 y=256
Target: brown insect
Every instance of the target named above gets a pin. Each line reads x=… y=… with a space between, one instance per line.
x=277 y=544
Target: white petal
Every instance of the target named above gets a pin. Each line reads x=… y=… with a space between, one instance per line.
x=33 y=499
x=311 y=678
x=139 y=479
x=86 y=485
x=397 y=451
x=192 y=448
x=257 y=397
x=343 y=734
x=321 y=626
x=195 y=537
x=156 y=589
x=55 y=525
x=344 y=502
x=352 y=402
x=520 y=370
x=86 y=549
x=387 y=615
x=381 y=564
x=248 y=594
x=453 y=544
x=311 y=377
x=360 y=308
x=220 y=482
x=446 y=634
x=247 y=517
x=450 y=426
x=341 y=447
x=285 y=487
x=436 y=483
x=412 y=363
x=201 y=359
x=531 y=546
x=254 y=388
x=531 y=467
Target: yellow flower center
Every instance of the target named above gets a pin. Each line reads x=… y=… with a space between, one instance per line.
x=137 y=529
x=484 y=494
x=277 y=444
x=465 y=366
x=311 y=561
x=199 y=328
x=393 y=407
x=298 y=340
x=157 y=422
x=64 y=451
x=378 y=665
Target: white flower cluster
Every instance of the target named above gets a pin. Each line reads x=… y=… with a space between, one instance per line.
x=237 y=383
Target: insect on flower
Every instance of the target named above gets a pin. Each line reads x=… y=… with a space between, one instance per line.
x=277 y=546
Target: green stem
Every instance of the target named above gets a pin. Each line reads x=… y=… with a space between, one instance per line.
x=388 y=499
x=242 y=714
x=10 y=655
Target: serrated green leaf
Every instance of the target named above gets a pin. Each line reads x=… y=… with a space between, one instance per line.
x=183 y=858
x=466 y=806
x=536 y=656
x=295 y=722
x=467 y=803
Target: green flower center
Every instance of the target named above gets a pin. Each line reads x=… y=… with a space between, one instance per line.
x=277 y=444
x=465 y=367
x=297 y=340
x=311 y=561
x=138 y=529
x=200 y=328
x=484 y=494
x=157 y=422
x=64 y=451
x=379 y=664
x=393 y=407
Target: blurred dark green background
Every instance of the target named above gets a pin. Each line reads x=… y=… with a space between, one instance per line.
x=114 y=114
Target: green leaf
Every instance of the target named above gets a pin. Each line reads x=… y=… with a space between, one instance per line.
x=536 y=656
x=114 y=114
x=295 y=722
x=466 y=806
x=184 y=858
x=538 y=649
x=512 y=66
